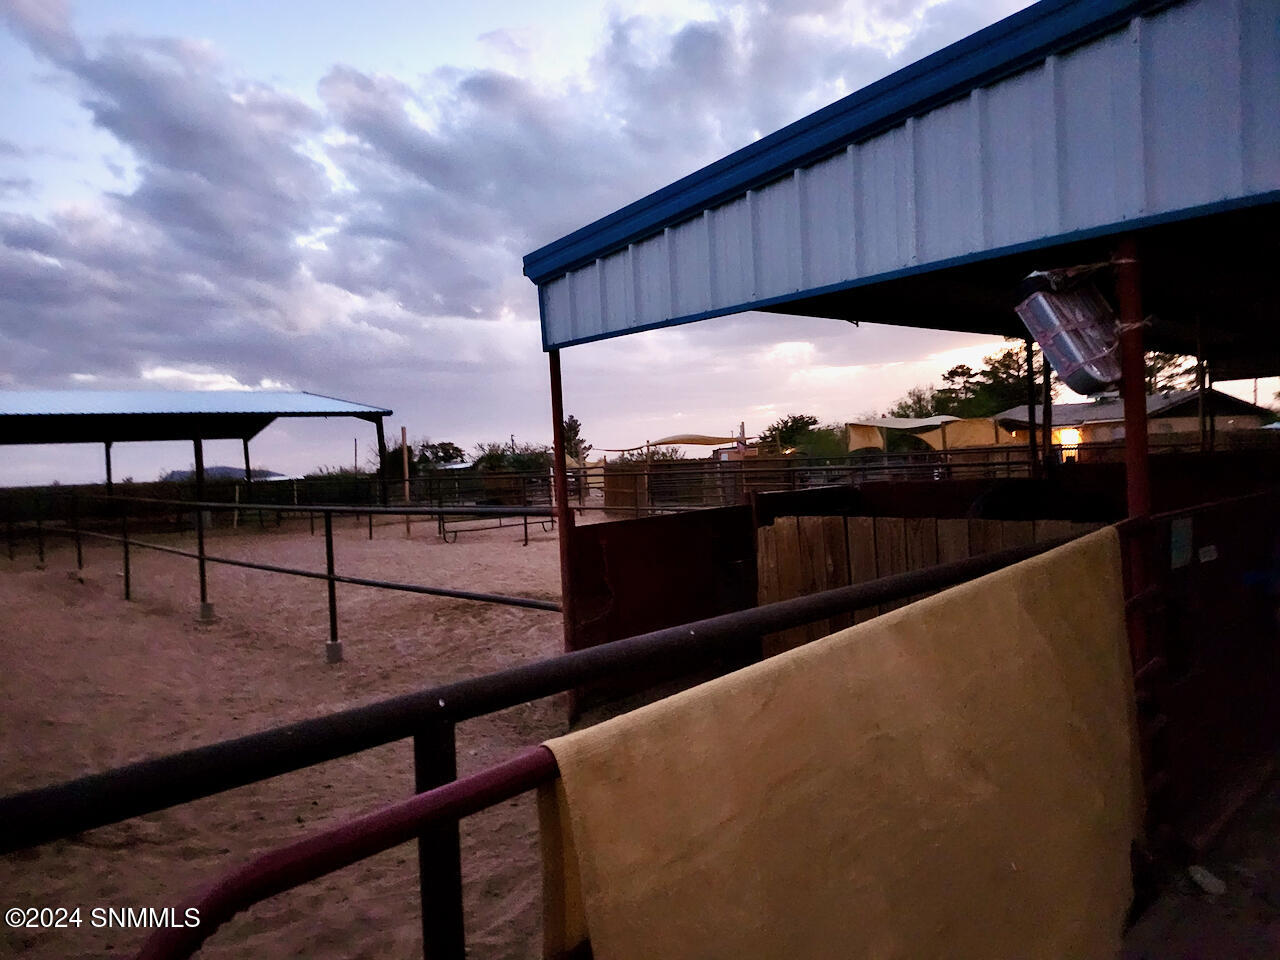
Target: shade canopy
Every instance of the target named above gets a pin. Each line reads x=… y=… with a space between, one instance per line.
x=923 y=199
x=101 y=416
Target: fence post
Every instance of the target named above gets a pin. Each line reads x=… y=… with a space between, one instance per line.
x=332 y=649
x=311 y=517
x=435 y=762
x=75 y=526
x=40 y=535
x=124 y=539
x=206 y=608
x=8 y=531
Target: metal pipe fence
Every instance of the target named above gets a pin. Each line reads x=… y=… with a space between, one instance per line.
x=430 y=717
x=333 y=646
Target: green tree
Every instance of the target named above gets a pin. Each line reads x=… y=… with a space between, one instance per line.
x=573 y=444
x=519 y=457
x=432 y=455
x=919 y=402
x=1169 y=371
x=490 y=456
x=650 y=455
x=786 y=432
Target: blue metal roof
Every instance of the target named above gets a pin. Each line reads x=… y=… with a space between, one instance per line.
x=100 y=416
x=1004 y=48
x=145 y=402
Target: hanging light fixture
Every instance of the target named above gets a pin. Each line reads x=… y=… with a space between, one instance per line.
x=1075 y=327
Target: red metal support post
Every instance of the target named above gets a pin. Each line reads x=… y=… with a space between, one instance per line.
x=1031 y=413
x=1133 y=383
x=563 y=513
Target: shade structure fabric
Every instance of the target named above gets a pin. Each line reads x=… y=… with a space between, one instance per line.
x=862 y=436
x=957 y=778
x=695 y=439
x=971 y=432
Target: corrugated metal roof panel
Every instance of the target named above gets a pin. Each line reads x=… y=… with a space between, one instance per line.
x=1121 y=116
x=1002 y=49
x=144 y=402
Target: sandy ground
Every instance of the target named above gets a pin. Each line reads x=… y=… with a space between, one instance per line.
x=89 y=682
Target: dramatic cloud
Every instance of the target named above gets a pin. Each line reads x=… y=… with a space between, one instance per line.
x=366 y=241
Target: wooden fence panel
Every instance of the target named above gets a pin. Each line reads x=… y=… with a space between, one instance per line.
x=835 y=536
x=801 y=555
x=891 y=552
x=953 y=540
x=985 y=536
x=862 y=558
x=1052 y=529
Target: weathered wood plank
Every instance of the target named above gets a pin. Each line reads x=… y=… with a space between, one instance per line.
x=922 y=546
x=1016 y=533
x=814 y=568
x=835 y=536
x=1052 y=529
x=862 y=557
x=891 y=552
x=791 y=579
x=953 y=540
x=984 y=537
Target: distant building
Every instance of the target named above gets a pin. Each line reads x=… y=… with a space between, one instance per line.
x=1172 y=416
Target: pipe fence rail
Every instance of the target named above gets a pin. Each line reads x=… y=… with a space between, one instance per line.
x=75 y=529
x=430 y=717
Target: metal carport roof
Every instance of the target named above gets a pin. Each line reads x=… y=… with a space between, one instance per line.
x=104 y=416
x=923 y=199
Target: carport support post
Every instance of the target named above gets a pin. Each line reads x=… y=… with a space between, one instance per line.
x=248 y=472
x=1133 y=379
x=563 y=513
x=382 y=480
x=435 y=762
x=1031 y=410
x=1050 y=460
x=333 y=648
x=110 y=487
x=206 y=608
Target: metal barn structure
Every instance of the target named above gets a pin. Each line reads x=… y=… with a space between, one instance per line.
x=1136 y=139
x=1140 y=134
x=118 y=416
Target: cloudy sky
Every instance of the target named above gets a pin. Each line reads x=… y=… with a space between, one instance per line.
x=336 y=197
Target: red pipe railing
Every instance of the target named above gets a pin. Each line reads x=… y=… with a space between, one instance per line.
x=328 y=850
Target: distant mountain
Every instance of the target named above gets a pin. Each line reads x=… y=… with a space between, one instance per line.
x=219 y=473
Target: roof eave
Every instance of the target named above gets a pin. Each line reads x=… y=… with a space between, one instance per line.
x=1004 y=48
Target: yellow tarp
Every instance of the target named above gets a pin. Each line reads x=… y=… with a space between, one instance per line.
x=953 y=779
x=859 y=436
x=975 y=432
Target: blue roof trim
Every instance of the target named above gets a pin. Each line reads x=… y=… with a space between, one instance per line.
x=1008 y=46
x=185 y=403
x=1089 y=233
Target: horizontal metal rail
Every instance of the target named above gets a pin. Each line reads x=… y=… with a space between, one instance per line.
x=531 y=603
x=328 y=850
x=482 y=509
x=49 y=813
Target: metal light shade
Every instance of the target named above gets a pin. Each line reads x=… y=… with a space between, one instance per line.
x=1076 y=329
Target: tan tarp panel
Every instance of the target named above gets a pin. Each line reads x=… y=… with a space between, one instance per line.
x=975 y=432
x=956 y=778
x=859 y=436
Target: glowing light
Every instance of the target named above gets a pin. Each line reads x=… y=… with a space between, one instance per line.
x=1069 y=437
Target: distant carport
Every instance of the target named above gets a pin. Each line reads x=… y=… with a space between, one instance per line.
x=107 y=417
